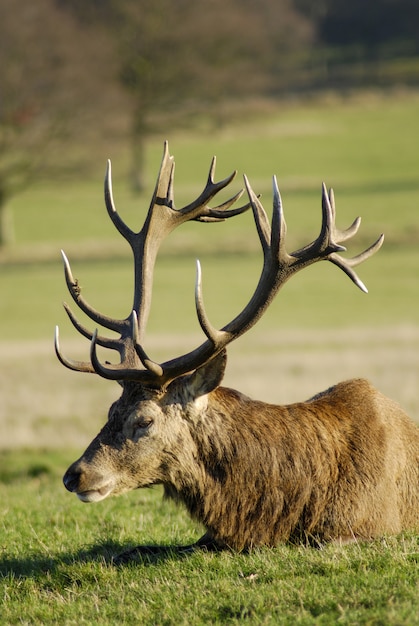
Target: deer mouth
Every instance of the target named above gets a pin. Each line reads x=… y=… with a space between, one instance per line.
x=95 y=495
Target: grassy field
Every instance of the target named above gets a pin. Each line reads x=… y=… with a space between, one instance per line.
x=56 y=566
x=56 y=554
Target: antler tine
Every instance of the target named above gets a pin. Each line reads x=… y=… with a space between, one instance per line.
x=105 y=342
x=75 y=291
x=325 y=243
x=330 y=237
x=336 y=236
x=125 y=370
x=261 y=219
x=150 y=365
x=347 y=264
x=76 y=366
x=328 y=229
x=342 y=235
x=118 y=222
x=198 y=209
x=279 y=227
x=215 y=336
x=220 y=213
x=272 y=238
x=163 y=192
x=105 y=372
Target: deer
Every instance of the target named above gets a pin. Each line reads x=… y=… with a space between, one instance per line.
x=340 y=466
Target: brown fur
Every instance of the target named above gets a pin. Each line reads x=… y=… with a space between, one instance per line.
x=343 y=465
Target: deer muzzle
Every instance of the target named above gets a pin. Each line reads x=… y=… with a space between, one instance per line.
x=88 y=484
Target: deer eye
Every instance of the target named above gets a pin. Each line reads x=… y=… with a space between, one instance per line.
x=141 y=427
x=144 y=422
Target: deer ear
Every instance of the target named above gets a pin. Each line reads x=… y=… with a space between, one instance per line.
x=207 y=377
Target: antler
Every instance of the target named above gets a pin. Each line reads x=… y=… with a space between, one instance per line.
x=278 y=267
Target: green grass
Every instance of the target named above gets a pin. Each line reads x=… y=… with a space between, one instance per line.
x=56 y=566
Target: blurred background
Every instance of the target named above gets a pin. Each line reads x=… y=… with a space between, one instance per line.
x=307 y=91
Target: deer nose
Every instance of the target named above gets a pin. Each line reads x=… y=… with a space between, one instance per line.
x=71 y=479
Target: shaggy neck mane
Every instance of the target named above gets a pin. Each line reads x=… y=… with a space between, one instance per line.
x=236 y=490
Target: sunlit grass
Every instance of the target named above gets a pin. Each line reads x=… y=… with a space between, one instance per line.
x=56 y=565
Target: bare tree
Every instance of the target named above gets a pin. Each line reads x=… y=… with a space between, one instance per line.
x=50 y=74
x=189 y=55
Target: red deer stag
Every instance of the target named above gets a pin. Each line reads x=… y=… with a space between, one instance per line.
x=342 y=465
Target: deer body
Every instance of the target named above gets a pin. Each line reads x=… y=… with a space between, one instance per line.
x=336 y=467
x=339 y=466
x=343 y=465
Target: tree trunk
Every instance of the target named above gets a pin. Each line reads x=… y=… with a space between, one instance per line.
x=139 y=132
x=7 y=231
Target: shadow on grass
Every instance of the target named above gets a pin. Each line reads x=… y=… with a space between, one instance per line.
x=109 y=554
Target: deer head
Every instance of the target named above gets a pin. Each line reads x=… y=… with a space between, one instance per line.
x=173 y=424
